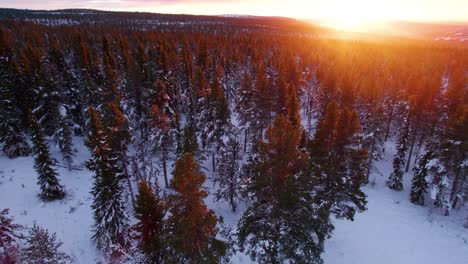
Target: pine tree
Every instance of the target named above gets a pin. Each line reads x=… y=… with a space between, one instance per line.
x=111 y=221
x=419 y=183
x=284 y=217
x=44 y=165
x=338 y=163
x=190 y=143
x=228 y=175
x=395 y=180
x=150 y=211
x=191 y=224
x=454 y=154
x=43 y=248
x=292 y=108
x=63 y=136
x=13 y=139
x=162 y=132
x=9 y=238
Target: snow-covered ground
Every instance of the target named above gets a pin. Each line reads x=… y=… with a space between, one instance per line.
x=395 y=231
x=391 y=231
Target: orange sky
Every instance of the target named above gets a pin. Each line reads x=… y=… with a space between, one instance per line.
x=413 y=10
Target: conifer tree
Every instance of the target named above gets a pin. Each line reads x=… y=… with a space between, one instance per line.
x=13 y=139
x=150 y=211
x=191 y=224
x=190 y=142
x=63 y=136
x=110 y=227
x=228 y=175
x=338 y=161
x=9 y=238
x=43 y=248
x=292 y=108
x=454 y=154
x=162 y=132
x=395 y=180
x=44 y=165
x=284 y=218
x=419 y=183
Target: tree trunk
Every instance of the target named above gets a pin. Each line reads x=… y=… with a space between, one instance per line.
x=413 y=140
x=164 y=161
x=456 y=183
x=371 y=158
x=213 y=162
x=129 y=182
x=245 y=140
x=390 y=119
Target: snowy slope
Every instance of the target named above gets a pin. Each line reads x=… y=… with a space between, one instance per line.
x=391 y=231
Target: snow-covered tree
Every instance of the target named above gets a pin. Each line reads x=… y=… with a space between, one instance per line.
x=395 y=181
x=284 y=221
x=338 y=162
x=44 y=163
x=13 y=139
x=9 y=238
x=43 y=248
x=111 y=220
x=63 y=137
x=191 y=224
x=419 y=183
x=228 y=174
x=150 y=211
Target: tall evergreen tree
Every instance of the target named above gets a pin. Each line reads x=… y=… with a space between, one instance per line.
x=150 y=211
x=190 y=142
x=63 y=136
x=13 y=139
x=419 y=183
x=44 y=164
x=338 y=163
x=191 y=224
x=284 y=218
x=228 y=175
x=395 y=181
x=111 y=221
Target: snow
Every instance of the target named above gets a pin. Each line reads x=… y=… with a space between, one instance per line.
x=70 y=218
x=395 y=231
x=391 y=231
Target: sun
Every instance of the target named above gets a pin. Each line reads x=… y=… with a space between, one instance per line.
x=357 y=15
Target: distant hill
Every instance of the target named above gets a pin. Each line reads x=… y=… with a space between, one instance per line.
x=149 y=21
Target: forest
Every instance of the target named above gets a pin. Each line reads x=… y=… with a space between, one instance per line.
x=286 y=126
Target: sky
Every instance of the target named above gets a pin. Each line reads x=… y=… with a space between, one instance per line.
x=343 y=11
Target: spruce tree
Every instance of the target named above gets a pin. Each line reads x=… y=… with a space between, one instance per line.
x=64 y=139
x=419 y=183
x=228 y=174
x=43 y=248
x=190 y=142
x=44 y=165
x=191 y=224
x=13 y=139
x=150 y=211
x=9 y=238
x=395 y=181
x=338 y=163
x=111 y=221
x=284 y=218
